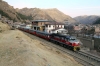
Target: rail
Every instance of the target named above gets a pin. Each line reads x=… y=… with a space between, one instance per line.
x=85 y=59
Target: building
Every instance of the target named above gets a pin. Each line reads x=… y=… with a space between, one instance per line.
x=97 y=30
x=48 y=26
x=39 y=24
x=77 y=28
x=60 y=31
x=53 y=26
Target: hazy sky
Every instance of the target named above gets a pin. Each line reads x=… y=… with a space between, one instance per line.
x=69 y=7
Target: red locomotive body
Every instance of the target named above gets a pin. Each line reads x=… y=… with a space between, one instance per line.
x=66 y=41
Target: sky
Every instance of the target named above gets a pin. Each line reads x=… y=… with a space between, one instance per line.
x=72 y=8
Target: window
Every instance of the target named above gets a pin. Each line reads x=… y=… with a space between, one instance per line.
x=46 y=25
x=61 y=26
x=58 y=26
x=49 y=31
x=49 y=25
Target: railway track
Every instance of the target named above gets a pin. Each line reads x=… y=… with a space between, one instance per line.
x=84 y=58
x=90 y=56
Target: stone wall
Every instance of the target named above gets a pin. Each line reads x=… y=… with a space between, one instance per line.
x=97 y=44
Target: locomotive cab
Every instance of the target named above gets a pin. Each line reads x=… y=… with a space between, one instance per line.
x=74 y=43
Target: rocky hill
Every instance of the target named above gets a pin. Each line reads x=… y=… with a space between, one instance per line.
x=58 y=15
x=8 y=11
x=33 y=13
x=86 y=19
x=48 y=14
x=36 y=13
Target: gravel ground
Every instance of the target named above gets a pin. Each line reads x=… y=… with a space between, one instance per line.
x=17 y=49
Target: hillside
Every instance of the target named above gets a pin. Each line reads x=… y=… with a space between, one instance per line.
x=97 y=21
x=86 y=19
x=58 y=15
x=8 y=11
x=33 y=13
x=47 y=14
x=16 y=50
x=3 y=27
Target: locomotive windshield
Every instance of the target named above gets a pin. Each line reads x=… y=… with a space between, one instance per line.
x=72 y=38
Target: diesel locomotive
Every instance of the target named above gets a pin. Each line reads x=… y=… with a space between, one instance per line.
x=66 y=41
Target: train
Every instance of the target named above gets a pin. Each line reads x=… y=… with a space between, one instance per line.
x=67 y=41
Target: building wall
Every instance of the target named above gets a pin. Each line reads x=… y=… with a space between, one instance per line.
x=97 y=29
x=51 y=27
x=97 y=44
x=39 y=25
x=77 y=28
x=42 y=23
x=86 y=42
x=62 y=31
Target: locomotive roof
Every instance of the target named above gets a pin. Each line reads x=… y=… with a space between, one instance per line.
x=65 y=36
x=42 y=32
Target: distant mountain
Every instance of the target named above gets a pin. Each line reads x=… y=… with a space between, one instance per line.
x=97 y=21
x=86 y=19
x=46 y=14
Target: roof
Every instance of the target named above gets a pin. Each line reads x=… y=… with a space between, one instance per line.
x=56 y=29
x=55 y=23
x=41 y=21
x=60 y=35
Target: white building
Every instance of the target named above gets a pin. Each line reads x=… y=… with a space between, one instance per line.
x=28 y=26
x=61 y=31
x=51 y=26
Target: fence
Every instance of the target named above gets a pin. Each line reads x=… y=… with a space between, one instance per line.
x=97 y=44
x=88 y=41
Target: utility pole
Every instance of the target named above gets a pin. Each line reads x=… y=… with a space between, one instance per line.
x=55 y=23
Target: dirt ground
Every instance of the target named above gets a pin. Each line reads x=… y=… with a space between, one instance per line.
x=17 y=49
x=3 y=27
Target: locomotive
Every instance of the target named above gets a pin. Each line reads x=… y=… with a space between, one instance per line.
x=66 y=41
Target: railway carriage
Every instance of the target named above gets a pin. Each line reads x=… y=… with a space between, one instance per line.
x=43 y=35
x=31 y=31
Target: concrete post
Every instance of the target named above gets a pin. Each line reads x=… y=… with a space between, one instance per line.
x=92 y=44
x=0 y=16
